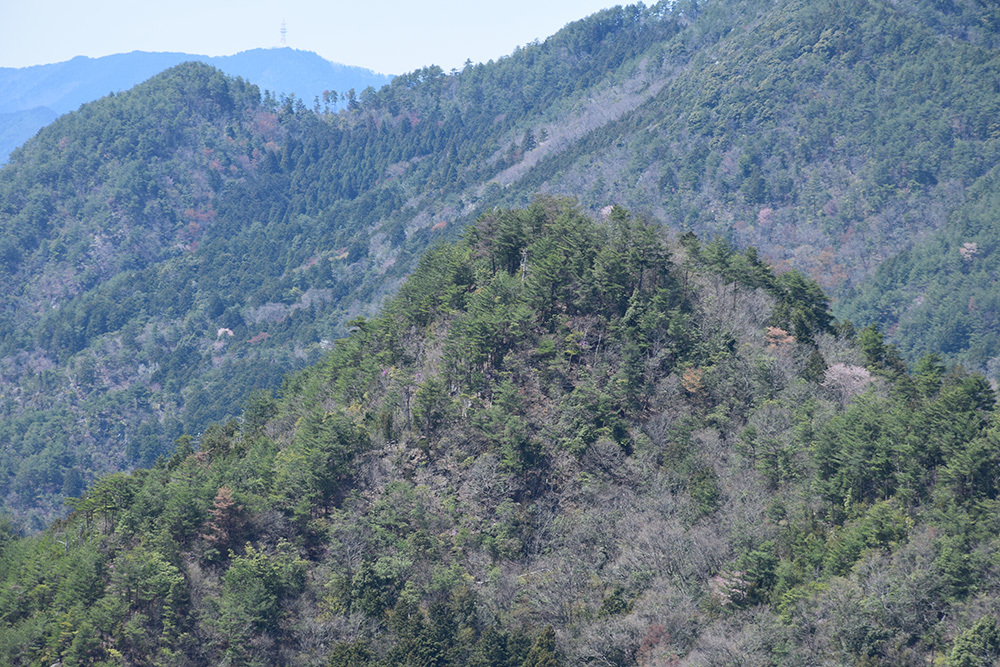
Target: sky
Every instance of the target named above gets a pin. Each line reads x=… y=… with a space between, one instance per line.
x=388 y=36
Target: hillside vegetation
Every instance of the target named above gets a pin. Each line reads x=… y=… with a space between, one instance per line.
x=562 y=442
x=168 y=249
x=32 y=97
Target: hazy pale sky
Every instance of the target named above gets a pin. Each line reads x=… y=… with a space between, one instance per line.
x=389 y=36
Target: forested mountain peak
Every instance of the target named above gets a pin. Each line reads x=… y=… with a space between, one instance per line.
x=31 y=97
x=563 y=441
x=560 y=440
x=176 y=245
x=198 y=241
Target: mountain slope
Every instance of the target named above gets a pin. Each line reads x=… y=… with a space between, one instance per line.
x=941 y=295
x=62 y=87
x=99 y=203
x=832 y=135
x=16 y=127
x=148 y=281
x=563 y=442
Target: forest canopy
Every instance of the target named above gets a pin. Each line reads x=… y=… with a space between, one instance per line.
x=562 y=441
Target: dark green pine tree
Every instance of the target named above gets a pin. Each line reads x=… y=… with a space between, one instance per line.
x=543 y=651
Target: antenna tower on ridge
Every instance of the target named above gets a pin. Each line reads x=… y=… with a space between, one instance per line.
x=284 y=31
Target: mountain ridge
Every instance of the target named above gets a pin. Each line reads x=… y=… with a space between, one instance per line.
x=63 y=87
x=569 y=434
x=339 y=206
x=563 y=441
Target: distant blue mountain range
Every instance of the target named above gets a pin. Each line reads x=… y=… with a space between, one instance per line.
x=32 y=97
